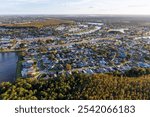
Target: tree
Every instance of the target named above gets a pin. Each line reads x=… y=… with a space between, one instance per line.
x=68 y=67
x=78 y=87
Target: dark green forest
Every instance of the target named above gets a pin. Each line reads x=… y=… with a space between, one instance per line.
x=78 y=87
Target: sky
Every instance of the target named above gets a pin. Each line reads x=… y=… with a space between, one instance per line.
x=121 y=7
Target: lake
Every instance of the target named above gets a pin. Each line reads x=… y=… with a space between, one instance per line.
x=8 y=65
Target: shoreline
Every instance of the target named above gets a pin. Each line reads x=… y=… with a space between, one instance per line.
x=19 y=66
x=3 y=51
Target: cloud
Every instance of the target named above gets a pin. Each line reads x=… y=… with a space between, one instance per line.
x=80 y=2
x=26 y=1
x=75 y=6
x=142 y=5
x=91 y=7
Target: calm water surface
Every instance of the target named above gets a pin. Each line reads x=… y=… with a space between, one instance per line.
x=8 y=65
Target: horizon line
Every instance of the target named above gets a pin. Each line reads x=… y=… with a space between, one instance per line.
x=78 y=14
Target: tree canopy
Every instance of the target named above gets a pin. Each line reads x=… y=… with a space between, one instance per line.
x=77 y=87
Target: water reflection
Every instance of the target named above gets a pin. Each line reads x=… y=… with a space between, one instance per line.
x=8 y=64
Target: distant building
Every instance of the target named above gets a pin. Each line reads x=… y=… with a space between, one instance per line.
x=115 y=31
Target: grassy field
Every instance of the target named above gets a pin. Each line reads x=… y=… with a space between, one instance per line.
x=39 y=24
x=19 y=66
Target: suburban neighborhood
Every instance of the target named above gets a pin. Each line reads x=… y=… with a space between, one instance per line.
x=83 y=47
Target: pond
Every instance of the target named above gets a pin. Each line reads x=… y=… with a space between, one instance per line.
x=8 y=65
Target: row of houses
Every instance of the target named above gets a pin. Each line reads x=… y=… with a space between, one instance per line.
x=5 y=42
x=28 y=69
